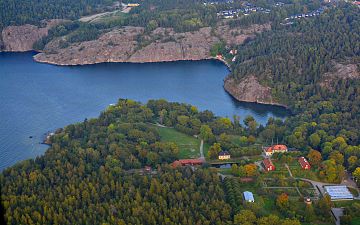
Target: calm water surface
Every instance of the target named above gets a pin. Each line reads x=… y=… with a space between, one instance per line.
x=36 y=98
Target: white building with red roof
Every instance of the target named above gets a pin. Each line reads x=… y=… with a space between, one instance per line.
x=275 y=148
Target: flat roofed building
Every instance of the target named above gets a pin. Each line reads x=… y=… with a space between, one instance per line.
x=248 y=196
x=338 y=192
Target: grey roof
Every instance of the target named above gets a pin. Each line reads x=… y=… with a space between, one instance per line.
x=338 y=192
x=224 y=153
x=248 y=196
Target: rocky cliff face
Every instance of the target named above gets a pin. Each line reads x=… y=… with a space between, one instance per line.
x=341 y=71
x=22 y=38
x=249 y=89
x=124 y=45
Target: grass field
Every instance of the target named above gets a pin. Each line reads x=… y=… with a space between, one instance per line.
x=355 y=221
x=189 y=146
x=345 y=203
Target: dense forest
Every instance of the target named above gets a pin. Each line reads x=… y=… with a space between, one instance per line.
x=96 y=166
x=91 y=173
x=293 y=61
x=93 y=170
x=18 y=12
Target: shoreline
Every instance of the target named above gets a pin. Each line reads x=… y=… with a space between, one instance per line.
x=223 y=61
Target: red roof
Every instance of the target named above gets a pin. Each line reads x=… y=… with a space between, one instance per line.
x=357 y=3
x=184 y=162
x=268 y=164
x=277 y=148
x=304 y=163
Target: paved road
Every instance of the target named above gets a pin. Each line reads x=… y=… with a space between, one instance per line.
x=337 y=212
x=349 y=182
x=317 y=185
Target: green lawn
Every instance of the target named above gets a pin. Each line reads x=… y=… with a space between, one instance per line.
x=355 y=221
x=345 y=203
x=189 y=146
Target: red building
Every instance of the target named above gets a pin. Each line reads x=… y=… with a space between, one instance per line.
x=187 y=162
x=304 y=163
x=268 y=165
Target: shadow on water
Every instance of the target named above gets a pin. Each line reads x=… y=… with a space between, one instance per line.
x=262 y=109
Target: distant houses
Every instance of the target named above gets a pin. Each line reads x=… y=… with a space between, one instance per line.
x=224 y=155
x=269 y=151
x=305 y=165
x=304 y=15
x=231 y=13
x=216 y=2
x=268 y=165
x=248 y=196
x=132 y=4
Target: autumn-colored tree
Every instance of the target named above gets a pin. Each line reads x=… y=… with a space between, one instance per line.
x=356 y=175
x=314 y=157
x=352 y=160
x=282 y=201
x=251 y=139
x=214 y=151
x=290 y=222
x=269 y=220
x=250 y=170
x=337 y=157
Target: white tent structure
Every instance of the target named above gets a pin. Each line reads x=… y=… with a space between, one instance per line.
x=338 y=192
x=248 y=196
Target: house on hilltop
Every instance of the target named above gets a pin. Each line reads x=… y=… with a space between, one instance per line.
x=274 y=149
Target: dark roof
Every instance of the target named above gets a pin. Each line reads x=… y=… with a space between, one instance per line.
x=224 y=153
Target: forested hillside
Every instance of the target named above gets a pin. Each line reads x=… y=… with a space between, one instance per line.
x=93 y=170
x=89 y=175
x=304 y=65
x=18 y=12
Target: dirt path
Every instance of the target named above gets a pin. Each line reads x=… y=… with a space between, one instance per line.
x=202 y=150
x=287 y=167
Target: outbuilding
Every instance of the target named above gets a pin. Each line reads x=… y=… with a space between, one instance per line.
x=338 y=192
x=268 y=165
x=305 y=165
x=248 y=196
